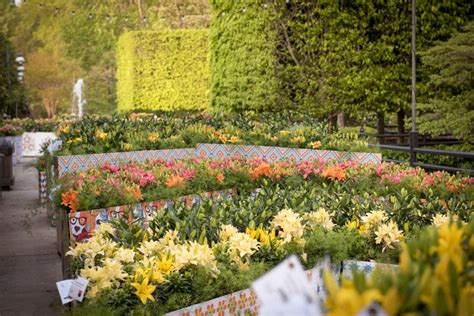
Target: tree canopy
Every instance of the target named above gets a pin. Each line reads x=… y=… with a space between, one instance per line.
x=449 y=101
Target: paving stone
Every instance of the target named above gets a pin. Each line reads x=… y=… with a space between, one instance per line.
x=29 y=263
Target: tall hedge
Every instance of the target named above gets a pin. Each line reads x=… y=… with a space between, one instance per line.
x=165 y=70
x=242 y=56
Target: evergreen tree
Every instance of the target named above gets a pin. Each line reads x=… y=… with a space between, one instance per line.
x=449 y=107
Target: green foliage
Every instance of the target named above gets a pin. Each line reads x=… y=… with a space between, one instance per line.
x=345 y=201
x=163 y=130
x=165 y=70
x=450 y=103
x=242 y=56
x=196 y=287
x=11 y=91
x=80 y=38
x=355 y=56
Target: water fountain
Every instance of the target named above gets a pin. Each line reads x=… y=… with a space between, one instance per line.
x=78 y=102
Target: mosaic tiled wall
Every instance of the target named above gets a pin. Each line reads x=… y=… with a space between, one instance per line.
x=239 y=303
x=348 y=266
x=82 y=224
x=17 y=143
x=245 y=302
x=42 y=188
x=217 y=151
x=32 y=142
x=68 y=164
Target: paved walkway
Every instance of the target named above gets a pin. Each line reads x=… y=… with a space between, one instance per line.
x=29 y=263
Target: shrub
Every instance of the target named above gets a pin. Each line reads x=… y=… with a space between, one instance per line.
x=166 y=70
x=242 y=56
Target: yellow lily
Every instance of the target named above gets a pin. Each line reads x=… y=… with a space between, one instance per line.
x=144 y=291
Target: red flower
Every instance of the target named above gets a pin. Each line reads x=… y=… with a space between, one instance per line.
x=111 y=168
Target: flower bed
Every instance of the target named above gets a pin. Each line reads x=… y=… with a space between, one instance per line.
x=231 y=178
x=14 y=141
x=163 y=130
x=82 y=224
x=246 y=301
x=77 y=163
x=144 y=267
x=30 y=125
x=244 y=236
x=434 y=278
x=132 y=269
x=194 y=252
x=327 y=186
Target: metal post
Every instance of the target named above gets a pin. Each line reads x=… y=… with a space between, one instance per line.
x=413 y=66
x=413 y=133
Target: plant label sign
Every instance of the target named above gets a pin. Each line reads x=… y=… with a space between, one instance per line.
x=286 y=290
x=72 y=289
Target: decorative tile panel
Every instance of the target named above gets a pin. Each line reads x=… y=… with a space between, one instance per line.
x=32 y=142
x=42 y=188
x=246 y=302
x=271 y=154
x=348 y=266
x=69 y=164
x=82 y=224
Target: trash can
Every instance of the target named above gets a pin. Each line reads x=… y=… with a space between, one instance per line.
x=6 y=165
x=2 y=156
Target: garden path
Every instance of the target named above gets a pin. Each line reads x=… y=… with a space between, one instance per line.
x=29 y=262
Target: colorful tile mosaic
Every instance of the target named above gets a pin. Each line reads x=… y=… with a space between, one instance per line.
x=246 y=302
x=348 y=266
x=238 y=303
x=82 y=224
x=16 y=142
x=32 y=142
x=218 y=151
x=68 y=164
x=42 y=188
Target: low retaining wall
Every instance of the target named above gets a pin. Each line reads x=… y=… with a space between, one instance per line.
x=32 y=143
x=69 y=164
x=271 y=154
x=245 y=302
x=82 y=224
x=43 y=191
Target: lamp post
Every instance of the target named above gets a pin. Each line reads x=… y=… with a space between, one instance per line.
x=413 y=132
x=20 y=60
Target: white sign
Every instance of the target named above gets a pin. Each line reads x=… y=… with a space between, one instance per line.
x=286 y=290
x=73 y=289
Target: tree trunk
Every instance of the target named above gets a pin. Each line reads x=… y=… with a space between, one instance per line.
x=332 y=122
x=141 y=12
x=341 y=119
x=401 y=125
x=381 y=125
